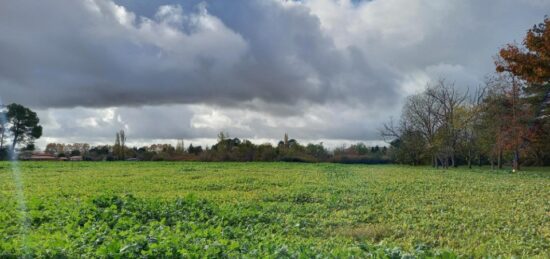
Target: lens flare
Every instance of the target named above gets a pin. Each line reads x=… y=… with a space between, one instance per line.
x=18 y=181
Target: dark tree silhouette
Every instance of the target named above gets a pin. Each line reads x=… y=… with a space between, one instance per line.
x=24 y=125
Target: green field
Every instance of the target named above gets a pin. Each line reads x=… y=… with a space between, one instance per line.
x=130 y=209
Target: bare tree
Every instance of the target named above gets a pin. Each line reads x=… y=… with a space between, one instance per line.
x=469 y=123
x=449 y=100
x=420 y=112
x=389 y=132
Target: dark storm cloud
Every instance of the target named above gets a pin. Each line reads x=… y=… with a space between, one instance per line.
x=97 y=54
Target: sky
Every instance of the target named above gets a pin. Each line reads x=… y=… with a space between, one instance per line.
x=320 y=70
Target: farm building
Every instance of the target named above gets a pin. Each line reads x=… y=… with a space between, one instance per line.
x=37 y=156
x=43 y=157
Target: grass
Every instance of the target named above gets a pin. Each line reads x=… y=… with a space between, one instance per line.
x=151 y=209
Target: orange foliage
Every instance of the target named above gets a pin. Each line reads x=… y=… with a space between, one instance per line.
x=531 y=63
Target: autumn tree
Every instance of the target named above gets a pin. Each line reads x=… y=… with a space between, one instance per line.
x=529 y=67
x=491 y=127
x=531 y=63
x=55 y=148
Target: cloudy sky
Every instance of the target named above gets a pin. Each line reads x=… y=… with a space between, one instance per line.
x=321 y=70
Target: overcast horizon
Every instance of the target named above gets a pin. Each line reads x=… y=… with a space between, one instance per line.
x=320 y=70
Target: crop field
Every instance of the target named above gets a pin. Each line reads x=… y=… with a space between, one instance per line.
x=171 y=209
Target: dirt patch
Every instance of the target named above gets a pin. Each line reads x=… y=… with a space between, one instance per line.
x=372 y=232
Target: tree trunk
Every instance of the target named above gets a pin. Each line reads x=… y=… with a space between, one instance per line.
x=469 y=158
x=14 y=142
x=515 y=162
x=493 y=160
x=540 y=158
x=453 y=160
x=499 y=159
x=479 y=160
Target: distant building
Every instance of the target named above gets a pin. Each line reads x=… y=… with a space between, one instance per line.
x=37 y=156
x=76 y=158
x=43 y=158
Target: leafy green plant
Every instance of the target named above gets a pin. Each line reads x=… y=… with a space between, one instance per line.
x=129 y=210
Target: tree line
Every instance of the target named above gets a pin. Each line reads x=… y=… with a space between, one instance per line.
x=19 y=128
x=225 y=149
x=504 y=121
